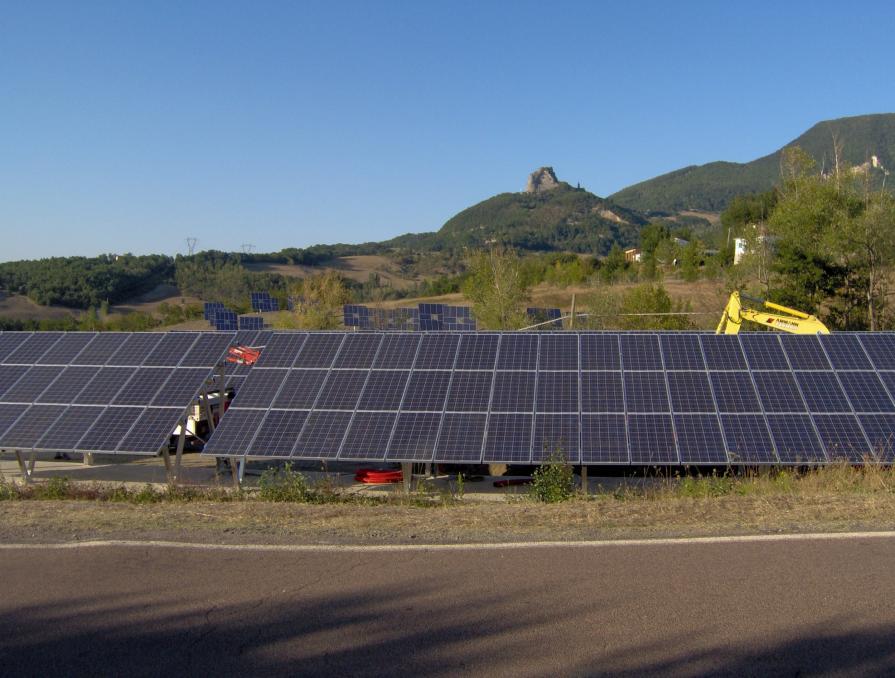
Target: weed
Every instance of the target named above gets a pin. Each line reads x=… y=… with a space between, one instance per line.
x=284 y=485
x=8 y=490
x=54 y=488
x=554 y=480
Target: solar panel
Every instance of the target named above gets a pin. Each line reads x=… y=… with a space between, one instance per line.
x=368 y=436
x=602 y=392
x=461 y=438
x=9 y=375
x=748 y=440
x=151 y=431
x=68 y=385
x=646 y=392
x=67 y=348
x=68 y=429
x=277 y=435
x=108 y=430
x=34 y=346
x=30 y=426
x=722 y=352
x=518 y=352
x=666 y=399
x=171 y=349
x=508 y=438
x=10 y=341
x=651 y=438
x=845 y=351
x=100 y=349
x=682 y=352
x=880 y=430
x=103 y=388
x=842 y=437
x=600 y=352
x=604 y=439
x=866 y=392
x=180 y=389
x=764 y=351
x=142 y=386
x=208 y=350
x=699 y=439
x=640 y=352
x=135 y=349
x=690 y=392
x=881 y=349
x=8 y=415
x=235 y=432
x=556 y=434
x=31 y=384
x=513 y=391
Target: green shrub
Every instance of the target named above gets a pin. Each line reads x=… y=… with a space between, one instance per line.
x=284 y=485
x=54 y=488
x=553 y=481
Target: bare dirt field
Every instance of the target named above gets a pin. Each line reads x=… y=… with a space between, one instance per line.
x=18 y=307
x=356 y=268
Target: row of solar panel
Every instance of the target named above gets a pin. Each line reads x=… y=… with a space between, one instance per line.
x=526 y=438
x=607 y=392
x=263 y=302
x=150 y=349
x=572 y=351
x=425 y=317
x=544 y=315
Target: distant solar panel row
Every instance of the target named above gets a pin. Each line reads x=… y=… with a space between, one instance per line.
x=426 y=317
x=263 y=302
x=100 y=392
x=546 y=315
x=600 y=398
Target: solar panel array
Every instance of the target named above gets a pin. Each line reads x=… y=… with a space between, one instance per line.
x=211 y=309
x=100 y=392
x=426 y=317
x=263 y=303
x=543 y=315
x=251 y=322
x=225 y=320
x=599 y=398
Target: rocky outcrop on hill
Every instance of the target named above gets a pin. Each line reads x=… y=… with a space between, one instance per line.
x=542 y=179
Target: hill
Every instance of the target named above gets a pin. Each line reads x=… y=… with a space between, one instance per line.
x=712 y=186
x=549 y=215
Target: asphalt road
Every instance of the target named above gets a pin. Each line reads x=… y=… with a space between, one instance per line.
x=774 y=608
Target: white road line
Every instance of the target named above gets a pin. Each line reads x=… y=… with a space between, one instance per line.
x=499 y=546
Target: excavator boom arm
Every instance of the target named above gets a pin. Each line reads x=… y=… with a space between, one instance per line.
x=795 y=322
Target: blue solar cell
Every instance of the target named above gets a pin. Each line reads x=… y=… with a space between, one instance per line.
x=151 y=431
x=600 y=352
x=778 y=392
x=804 y=352
x=10 y=341
x=509 y=438
x=461 y=438
x=822 y=392
x=9 y=414
x=558 y=352
x=358 y=351
x=9 y=375
x=682 y=352
x=67 y=348
x=65 y=433
x=518 y=352
x=646 y=392
x=556 y=434
x=866 y=392
x=368 y=436
x=604 y=439
x=100 y=349
x=181 y=388
x=277 y=434
x=845 y=351
x=557 y=392
x=651 y=437
x=427 y=390
x=469 y=392
x=322 y=435
x=414 y=436
x=513 y=392
x=34 y=346
x=319 y=350
x=31 y=384
x=207 y=352
x=734 y=392
x=384 y=390
x=748 y=440
x=109 y=429
x=142 y=386
x=722 y=352
x=30 y=427
x=477 y=352
x=234 y=434
x=102 y=389
x=260 y=388
x=795 y=438
x=842 y=437
x=699 y=439
x=342 y=390
x=135 y=349
x=69 y=384
x=881 y=349
x=880 y=430
x=640 y=352
x=602 y=392
x=299 y=391
x=690 y=392
x=281 y=349
x=437 y=352
x=764 y=351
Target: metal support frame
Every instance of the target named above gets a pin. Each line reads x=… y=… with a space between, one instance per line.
x=166 y=457
x=584 y=487
x=407 y=474
x=88 y=459
x=181 y=441
x=26 y=467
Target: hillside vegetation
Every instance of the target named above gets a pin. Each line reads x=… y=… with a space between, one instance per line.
x=711 y=187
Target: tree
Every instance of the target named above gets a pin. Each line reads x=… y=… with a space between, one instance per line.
x=691 y=258
x=319 y=302
x=496 y=288
x=613 y=266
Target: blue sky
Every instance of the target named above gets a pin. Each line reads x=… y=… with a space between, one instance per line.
x=129 y=126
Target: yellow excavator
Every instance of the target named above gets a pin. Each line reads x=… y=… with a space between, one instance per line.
x=794 y=321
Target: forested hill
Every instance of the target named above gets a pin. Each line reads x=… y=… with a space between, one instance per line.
x=711 y=187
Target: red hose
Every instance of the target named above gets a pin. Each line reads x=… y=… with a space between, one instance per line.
x=378 y=476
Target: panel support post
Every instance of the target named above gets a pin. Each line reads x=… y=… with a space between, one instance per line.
x=88 y=459
x=181 y=441
x=584 y=487
x=407 y=475
x=166 y=456
x=26 y=467
x=572 y=314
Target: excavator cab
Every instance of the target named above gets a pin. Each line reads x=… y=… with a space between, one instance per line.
x=741 y=307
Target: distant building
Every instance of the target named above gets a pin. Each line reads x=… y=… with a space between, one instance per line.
x=632 y=254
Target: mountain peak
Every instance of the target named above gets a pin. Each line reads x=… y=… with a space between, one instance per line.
x=542 y=179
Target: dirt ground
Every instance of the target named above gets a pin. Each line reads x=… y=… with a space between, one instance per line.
x=603 y=517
